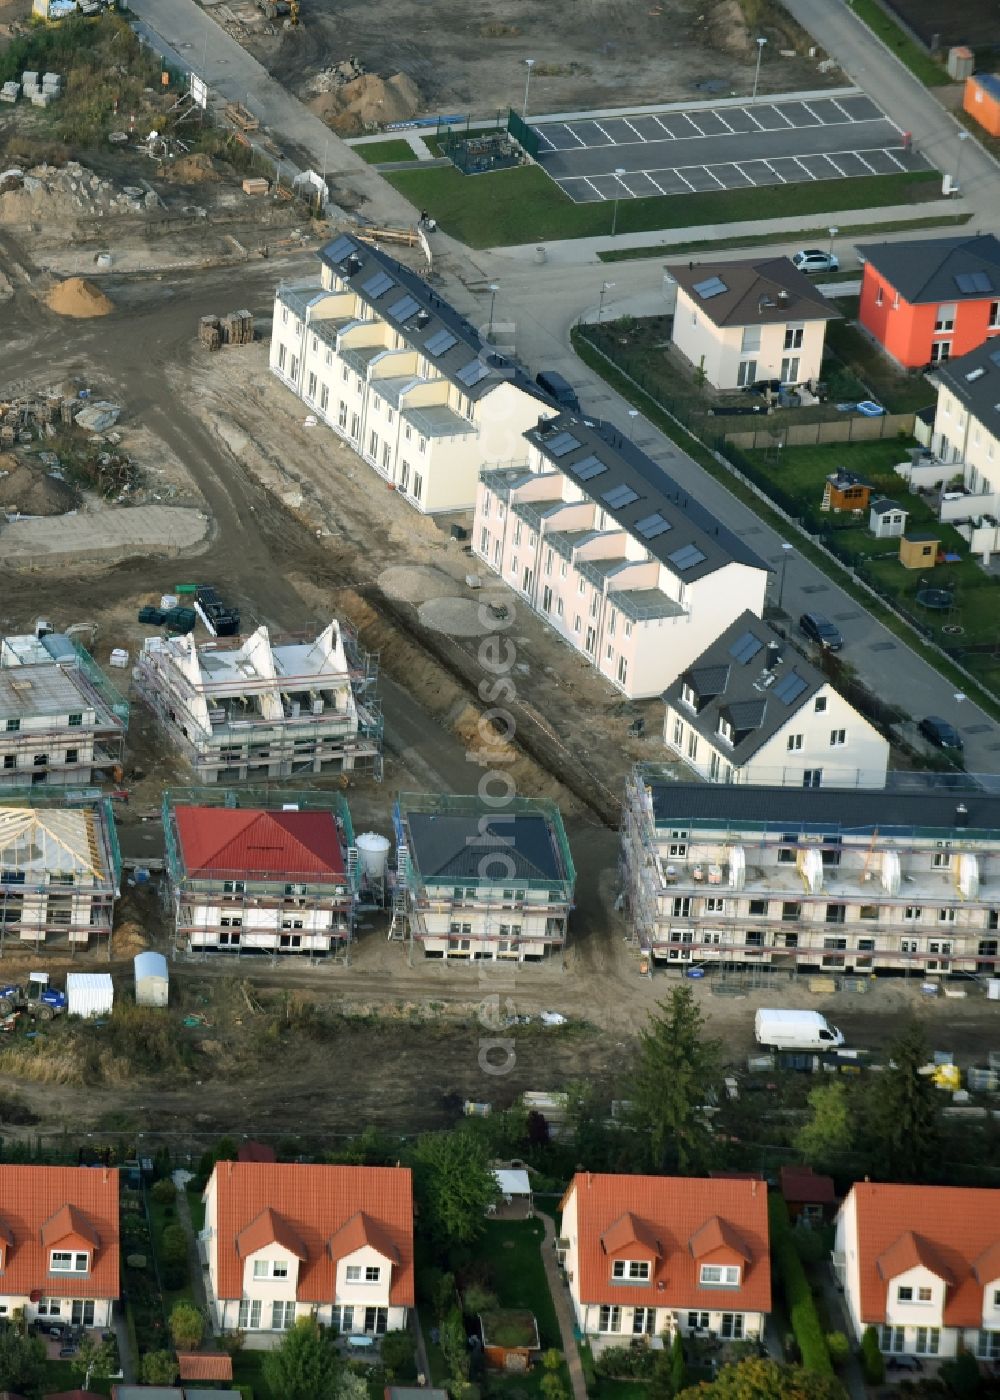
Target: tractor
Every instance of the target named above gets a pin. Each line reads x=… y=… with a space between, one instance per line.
x=37 y=998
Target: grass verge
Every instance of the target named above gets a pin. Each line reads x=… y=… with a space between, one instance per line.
x=920 y=64
x=382 y=152
x=762 y=240
x=513 y=1250
x=525 y=206
x=840 y=575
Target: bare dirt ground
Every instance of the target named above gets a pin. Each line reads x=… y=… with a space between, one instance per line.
x=962 y=22
x=588 y=53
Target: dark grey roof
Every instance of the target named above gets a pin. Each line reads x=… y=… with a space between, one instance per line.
x=753 y=292
x=974 y=379
x=427 y=322
x=939 y=269
x=455 y=845
x=756 y=695
x=835 y=810
x=883 y=506
x=644 y=500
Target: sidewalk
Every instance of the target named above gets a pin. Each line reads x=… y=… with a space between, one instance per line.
x=564 y=1311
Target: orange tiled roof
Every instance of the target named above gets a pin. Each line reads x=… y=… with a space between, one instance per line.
x=319 y=1204
x=681 y=1213
x=269 y=1228
x=205 y=1366
x=803 y=1186
x=948 y=1229
x=46 y=1206
x=627 y=1232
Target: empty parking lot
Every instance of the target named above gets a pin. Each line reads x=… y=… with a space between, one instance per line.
x=724 y=147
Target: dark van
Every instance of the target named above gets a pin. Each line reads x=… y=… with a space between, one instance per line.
x=821 y=631
x=559 y=389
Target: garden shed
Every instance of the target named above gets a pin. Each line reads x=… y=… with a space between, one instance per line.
x=152 y=987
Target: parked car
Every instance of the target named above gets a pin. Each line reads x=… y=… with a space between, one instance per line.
x=559 y=389
x=900 y=1361
x=815 y=260
x=940 y=733
x=820 y=629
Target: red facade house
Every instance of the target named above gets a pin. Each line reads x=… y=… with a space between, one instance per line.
x=931 y=299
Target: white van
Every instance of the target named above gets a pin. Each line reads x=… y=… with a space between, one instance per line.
x=796 y=1030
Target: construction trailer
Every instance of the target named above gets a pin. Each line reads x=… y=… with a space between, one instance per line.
x=481 y=884
x=249 y=874
x=60 y=872
x=62 y=723
x=255 y=711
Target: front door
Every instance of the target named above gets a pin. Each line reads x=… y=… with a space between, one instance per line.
x=82 y=1312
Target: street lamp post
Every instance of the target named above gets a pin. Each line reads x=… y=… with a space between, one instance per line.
x=527 y=88
x=786 y=554
x=614 y=217
x=756 y=77
x=605 y=288
x=963 y=136
x=494 y=288
x=833 y=231
x=633 y=414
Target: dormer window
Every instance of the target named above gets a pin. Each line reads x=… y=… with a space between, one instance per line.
x=720 y=1275
x=688 y=696
x=356 y=1273
x=631 y=1270
x=68 y=1261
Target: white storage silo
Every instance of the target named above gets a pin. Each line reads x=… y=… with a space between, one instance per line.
x=152 y=986
x=373 y=853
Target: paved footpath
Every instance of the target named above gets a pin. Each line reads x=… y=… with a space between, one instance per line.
x=563 y=1307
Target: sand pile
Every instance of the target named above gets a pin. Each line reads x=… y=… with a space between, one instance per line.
x=129 y=939
x=78 y=297
x=368 y=101
x=194 y=169
x=727 y=27
x=29 y=490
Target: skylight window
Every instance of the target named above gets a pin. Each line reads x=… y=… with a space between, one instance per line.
x=745 y=648
x=341 y=249
x=378 y=285
x=652 y=525
x=403 y=309
x=620 y=496
x=561 y=444
x=711 y=287
x=686 y=557
x=472 y=373
x=439 y=342
x=589 y=467
x=790 y=687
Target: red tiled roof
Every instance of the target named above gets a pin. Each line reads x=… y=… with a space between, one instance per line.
x=45 y=1206
x=256 y=1152
x=241 y=842
x=948 y=1229
x=318 y=1203
x=627 y=1233
x=677 y=1211
x=987 y=1266
x=205 y=1365
x=269 y=1228
x=717 y=1237
x=802 y=1186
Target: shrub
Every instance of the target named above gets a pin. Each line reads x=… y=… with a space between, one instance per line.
x=872 y=1360
x=810 y=1245
x=960 y=1374
x=478 y=1299
x=838 y=1346
x=173 y=1244
x=622 y=1363
x=187 y=1326
x=164 y=1192
x=159 y=1368
x=798 y=1296
x=397 y=1353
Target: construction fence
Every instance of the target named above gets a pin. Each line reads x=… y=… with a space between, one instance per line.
x=849 y=428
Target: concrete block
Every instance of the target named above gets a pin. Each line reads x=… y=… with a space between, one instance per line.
x=40 y=99
x=29 y=79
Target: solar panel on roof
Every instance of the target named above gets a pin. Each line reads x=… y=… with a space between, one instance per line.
x=403 y=309
x=652 y=525
x=439 y=342
x=472 y=372
x=341 y=249
x=982 y=282
x=963 y=281
x=971 y=282
x=620 y=496
x=745 y=648
x=590 y=467
x=378 y=285
x=561 y=444
x=711 y=287
x=790 y=687
x=686 y=557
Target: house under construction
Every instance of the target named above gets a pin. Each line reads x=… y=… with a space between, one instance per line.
x=62 y=723
x=479 y=883
x=249 y=875
x=60 y=869
x=257 y=711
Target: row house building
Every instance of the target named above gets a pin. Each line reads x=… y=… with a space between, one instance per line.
x=652 y=1256
x=249 y=879
x=626 y=567
x=62 y=723
x=481 y=884
x=965 y=442
x=415 y=389
x=289 y=1240
x=835 y=879
x=753 y=709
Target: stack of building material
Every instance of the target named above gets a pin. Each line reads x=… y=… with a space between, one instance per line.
x=255 y=184
x=210 y=332
x=10 y=92
x=239 y=328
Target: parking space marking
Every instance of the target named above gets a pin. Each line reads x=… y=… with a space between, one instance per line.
x=693 y=123
x=779 y=113
x=836 y=167
x=593 y=187
x=687 y=182
x=747 y=113
x=542 y=137
x=804 y=167
x=858 y=156
x=741 y=172
x=774 y=172
x=574 y=135
x=670 y=134
x=632 y=128
x=610 y=139
x=722 y=119
x=835 y=103
x=709 y=171
x=893 y=158
x=818 y=120
x=654 y=182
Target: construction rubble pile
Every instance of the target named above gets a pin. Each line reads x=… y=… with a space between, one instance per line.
x=94 y=462
x=351 y=100
x=46 y=194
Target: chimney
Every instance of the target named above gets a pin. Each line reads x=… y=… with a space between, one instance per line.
x=753 y=1189
x=961 y=815
x=773 y=655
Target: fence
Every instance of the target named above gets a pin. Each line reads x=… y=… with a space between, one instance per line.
x=848 y=428
x=522 y=133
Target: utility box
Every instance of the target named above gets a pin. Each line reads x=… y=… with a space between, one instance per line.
x=981 y=100
x=152 y=986
x=90 y=993
x=961 y=62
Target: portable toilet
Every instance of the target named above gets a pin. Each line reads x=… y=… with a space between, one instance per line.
x=151 y=981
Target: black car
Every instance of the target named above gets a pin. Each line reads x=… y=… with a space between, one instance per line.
x=559 y=389
x=940 y=733
x=763 y=386
x=821 y=630
x=900 y=1361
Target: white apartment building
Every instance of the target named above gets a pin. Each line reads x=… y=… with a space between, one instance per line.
x=613 y=554
x=480 y=883
x=62 y=724
x=290 y=1239
x=839 y=880
x=752 y=709
x=750 y=319
x=411 y=385
x=256 y=710
x=966 y=441
x=921 y=1264
x=648 y=1256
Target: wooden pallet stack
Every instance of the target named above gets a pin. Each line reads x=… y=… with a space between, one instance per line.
x=239 y=328
x=210 y=332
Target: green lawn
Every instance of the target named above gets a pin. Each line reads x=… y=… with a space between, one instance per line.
x=897 y=392
x=763 y=240
x=513 y=1250
x=920 y=64
x=525 y=206
x=803 y=470
x=248 y=1369
x=160 y=1216
x=382 y=152
x=60 y=1376
x=197 y=1208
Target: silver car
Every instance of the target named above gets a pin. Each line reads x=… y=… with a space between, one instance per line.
x=815 y=260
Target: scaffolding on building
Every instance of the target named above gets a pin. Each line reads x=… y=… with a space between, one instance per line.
x=239 y=893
